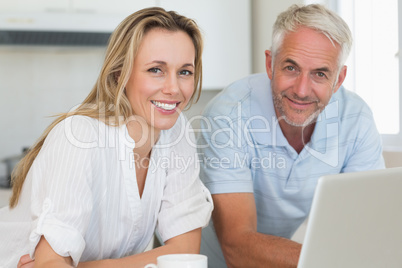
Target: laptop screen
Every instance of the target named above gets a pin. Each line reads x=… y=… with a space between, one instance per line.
x=355 y=221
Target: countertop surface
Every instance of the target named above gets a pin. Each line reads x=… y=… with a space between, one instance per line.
x=5 y=194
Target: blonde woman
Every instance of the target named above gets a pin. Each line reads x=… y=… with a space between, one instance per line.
x=103 y=177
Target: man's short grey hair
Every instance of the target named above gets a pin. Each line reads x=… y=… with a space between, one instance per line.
x=316 y=17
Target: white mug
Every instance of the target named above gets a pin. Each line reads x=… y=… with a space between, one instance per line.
x=180 y=261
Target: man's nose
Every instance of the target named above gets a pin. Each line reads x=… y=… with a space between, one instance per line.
x=302 y=87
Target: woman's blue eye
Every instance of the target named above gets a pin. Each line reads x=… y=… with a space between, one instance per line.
x=154 y=70
x=185 y=72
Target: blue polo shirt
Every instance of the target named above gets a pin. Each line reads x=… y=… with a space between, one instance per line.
x=242 y=149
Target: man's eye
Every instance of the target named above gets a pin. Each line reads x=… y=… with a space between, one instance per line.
x=321 y=74
x=290 y=68
x=154 y=70
x=185 y=72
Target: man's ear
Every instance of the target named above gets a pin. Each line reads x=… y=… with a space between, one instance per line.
x=341 y=78
x=268 y=63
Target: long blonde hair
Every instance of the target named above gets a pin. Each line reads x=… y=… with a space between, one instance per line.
x=107 y=100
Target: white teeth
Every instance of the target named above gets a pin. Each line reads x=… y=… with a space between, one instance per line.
x=165 y=106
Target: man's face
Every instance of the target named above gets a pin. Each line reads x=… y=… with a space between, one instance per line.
x=304 y=76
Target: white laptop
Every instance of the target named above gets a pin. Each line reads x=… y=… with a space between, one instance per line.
x=355 y=221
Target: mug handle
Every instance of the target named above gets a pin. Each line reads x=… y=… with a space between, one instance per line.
x=151 y=265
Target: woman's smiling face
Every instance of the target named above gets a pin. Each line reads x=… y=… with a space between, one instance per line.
x=162 y=79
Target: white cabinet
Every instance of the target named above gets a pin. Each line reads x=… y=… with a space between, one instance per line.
x=28 y=6
x=122 y=7
x=74 y=6
x=226 y=25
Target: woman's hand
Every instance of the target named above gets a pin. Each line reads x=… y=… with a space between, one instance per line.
x=26 y=262
x=185 y=243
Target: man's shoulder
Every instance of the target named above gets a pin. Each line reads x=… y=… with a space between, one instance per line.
x=234 y=95
x=351 y=104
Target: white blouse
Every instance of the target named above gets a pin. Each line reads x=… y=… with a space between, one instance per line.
x=81 y=194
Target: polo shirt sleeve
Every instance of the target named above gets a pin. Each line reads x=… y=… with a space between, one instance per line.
x=225 y=161
x=61 y=187
x=186 y=202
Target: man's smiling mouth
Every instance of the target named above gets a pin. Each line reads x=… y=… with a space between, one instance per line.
x=301 y=103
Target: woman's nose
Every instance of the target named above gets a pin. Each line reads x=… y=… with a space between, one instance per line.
x=171 y=86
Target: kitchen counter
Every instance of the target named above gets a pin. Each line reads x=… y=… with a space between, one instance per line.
x=5 y=194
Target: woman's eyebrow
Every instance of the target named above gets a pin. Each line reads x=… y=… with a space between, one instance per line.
x=160 y=62
x=188 y=65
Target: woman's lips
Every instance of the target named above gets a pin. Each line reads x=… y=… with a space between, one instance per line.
x=166 y=107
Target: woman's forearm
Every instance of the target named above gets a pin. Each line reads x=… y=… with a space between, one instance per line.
x=46 y=257
x=185 y=243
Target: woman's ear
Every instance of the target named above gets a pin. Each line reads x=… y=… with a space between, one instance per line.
x=116 y=77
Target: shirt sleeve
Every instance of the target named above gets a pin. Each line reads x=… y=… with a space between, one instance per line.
x=62 y=177
x=225 y=161
x=186 y=202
